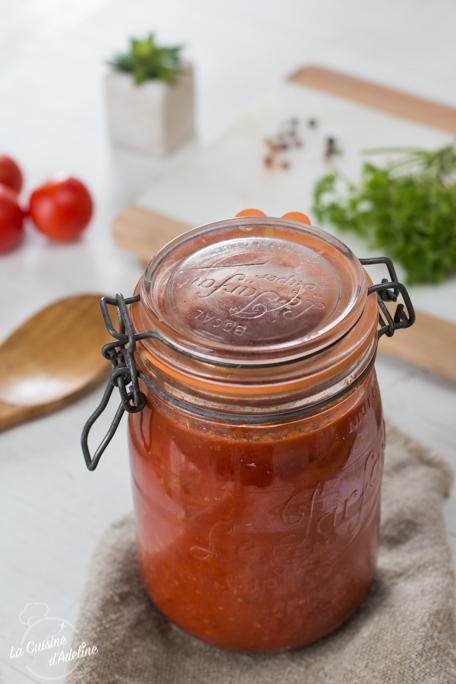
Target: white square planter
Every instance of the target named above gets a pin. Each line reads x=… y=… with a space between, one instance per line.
x=154 y=117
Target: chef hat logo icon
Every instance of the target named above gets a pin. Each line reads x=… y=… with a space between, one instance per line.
x=34 y=612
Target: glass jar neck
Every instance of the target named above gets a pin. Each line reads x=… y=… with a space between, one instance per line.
x=270 y=390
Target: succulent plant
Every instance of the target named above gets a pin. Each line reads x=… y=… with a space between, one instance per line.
x=146 y=60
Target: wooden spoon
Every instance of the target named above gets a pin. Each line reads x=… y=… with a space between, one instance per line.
x=52 y=358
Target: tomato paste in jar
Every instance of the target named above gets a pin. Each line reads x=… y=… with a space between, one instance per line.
x=257 y=458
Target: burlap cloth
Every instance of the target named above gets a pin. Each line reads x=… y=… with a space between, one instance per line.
x=403 y=632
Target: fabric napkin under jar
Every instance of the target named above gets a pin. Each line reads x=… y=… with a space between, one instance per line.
x=403 y=633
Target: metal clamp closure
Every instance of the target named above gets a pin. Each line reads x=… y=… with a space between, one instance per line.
x=124 y=375
x=388 y=291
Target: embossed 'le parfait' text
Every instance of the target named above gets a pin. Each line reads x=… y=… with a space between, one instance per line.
x=303 y=296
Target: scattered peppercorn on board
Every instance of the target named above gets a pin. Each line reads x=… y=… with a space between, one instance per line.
x=270 y=159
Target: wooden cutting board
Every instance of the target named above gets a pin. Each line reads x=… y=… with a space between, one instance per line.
x=229 y=175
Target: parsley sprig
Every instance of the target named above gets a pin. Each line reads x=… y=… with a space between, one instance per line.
x=408 y=209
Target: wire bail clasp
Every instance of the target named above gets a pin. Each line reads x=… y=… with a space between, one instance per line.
x=388 y=291
x=124 y=375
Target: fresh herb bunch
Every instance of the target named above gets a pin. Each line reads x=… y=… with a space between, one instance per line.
x=408 y=209
x=147 y=60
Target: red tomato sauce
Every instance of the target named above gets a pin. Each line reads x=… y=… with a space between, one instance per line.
x=259 y=538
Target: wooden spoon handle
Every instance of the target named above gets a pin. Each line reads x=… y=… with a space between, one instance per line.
x=12 y=415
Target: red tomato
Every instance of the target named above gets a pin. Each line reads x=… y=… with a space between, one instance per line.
x=10 y=173
x=61 y=208
x=11 y=218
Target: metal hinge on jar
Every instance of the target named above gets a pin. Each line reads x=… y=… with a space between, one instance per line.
x=388 y=291
x=125 y=375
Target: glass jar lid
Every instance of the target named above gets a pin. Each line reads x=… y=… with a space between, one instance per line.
x=254 y=291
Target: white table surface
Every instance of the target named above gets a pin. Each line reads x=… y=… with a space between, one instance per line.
x=52 y=119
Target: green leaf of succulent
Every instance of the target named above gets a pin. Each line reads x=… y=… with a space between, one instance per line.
x=146 y=60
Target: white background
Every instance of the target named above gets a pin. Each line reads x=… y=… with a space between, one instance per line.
x=52 y=119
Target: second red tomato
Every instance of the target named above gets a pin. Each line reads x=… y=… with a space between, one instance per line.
x=61 y=208
x=10 y=173
x=11 y=217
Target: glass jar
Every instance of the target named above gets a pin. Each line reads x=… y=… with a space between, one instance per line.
x=256 y=432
